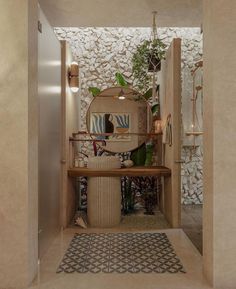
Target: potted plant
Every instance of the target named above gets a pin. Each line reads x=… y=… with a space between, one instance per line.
x=147 y=58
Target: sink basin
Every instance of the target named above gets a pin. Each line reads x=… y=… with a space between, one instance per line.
x=104 y=194
x=104 y=162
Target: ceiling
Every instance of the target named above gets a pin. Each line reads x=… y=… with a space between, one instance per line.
x=122 y=13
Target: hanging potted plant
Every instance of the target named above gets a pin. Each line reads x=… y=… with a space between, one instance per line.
x=157 y=53
x=147 y=58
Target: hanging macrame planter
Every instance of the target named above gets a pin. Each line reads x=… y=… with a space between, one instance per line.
x=154 y=63
x=147 y=59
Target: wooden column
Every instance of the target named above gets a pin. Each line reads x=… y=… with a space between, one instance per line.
x=171 y=106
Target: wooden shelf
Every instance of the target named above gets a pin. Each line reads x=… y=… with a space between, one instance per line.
x=129 y=172
x=112 y=134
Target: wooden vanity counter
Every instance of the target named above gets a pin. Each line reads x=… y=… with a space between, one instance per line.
x=160 y=171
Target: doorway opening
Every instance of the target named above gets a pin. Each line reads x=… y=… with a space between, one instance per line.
x=101 y=73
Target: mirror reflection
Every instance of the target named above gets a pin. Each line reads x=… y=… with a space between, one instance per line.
x=121 y=117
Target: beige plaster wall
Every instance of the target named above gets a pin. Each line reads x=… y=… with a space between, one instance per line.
x=219 y=143
x=122 y=13
x=18 y=142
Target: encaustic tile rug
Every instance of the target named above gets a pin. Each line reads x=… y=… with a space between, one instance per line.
x=120 y=253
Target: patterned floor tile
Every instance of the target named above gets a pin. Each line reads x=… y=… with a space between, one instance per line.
x=121 y=253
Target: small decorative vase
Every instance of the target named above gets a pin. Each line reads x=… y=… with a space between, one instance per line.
x=128 y=163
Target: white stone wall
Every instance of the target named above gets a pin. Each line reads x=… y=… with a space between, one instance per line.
x=101 y=52
x=191 y=175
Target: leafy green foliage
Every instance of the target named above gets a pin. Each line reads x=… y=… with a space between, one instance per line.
x=149 y=154
x=141 y=58
x=138 y=156
x=94 y=90
x=120 y=79
x=155 y=109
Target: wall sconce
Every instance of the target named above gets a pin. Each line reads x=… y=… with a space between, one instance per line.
x=121 y=95
x=73 y=75
x=158 y=126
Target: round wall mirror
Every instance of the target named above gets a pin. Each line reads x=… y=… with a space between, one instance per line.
x=121 y=117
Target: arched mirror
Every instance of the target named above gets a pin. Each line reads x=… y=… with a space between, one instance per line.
x=121 y=117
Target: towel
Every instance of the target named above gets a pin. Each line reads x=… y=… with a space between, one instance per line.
x=167 y=132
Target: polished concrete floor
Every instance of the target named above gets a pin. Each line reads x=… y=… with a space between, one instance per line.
x=192 y=224
x=188 y=254
x=138 y=220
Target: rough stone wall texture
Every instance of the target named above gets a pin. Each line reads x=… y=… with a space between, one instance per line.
x=101 y=52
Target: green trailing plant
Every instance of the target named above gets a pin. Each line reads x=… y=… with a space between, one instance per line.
x=120 y=79
x=149 y=52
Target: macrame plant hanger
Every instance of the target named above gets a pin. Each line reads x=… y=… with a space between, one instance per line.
x=154 y=65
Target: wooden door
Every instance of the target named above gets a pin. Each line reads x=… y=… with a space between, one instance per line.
x=171 y=109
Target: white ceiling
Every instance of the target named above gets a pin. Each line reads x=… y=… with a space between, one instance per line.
x=122 y=13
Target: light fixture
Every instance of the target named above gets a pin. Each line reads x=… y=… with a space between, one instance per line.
x=73 y=75
x=158 y=126
x=121 y=95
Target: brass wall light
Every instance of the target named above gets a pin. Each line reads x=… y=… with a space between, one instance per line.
x=73 y=75
x=158 y=126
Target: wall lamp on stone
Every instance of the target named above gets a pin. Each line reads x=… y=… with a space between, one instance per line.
x=73 y=75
